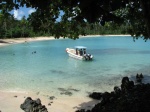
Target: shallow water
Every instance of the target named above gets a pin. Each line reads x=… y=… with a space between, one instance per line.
x=51 y=71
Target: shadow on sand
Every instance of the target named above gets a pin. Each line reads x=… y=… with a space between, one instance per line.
x=87 y=105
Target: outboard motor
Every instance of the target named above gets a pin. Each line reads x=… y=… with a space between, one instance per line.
x=85 y=56
x=88 y=56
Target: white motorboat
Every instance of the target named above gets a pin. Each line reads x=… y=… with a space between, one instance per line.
x=79 y=52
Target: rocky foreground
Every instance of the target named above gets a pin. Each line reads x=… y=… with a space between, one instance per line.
x=129 y=97
x=30 y=105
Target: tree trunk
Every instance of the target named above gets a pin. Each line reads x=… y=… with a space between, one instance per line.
x=146 y=11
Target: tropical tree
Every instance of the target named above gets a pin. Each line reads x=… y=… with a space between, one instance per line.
x=77 y=12
x=5 y=24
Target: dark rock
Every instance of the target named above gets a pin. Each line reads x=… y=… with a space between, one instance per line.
x=126 y=84
x=76 y=90
x=38 y=101
x=30 y=105
x=106 y=96
x=117 y=90
x=96 y=95
x=125 y=80
x=51 y=97
x=130 y=98
x=66 y=93
x=139 y=78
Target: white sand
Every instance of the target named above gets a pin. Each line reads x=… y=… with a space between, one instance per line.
x=11 y=101
x=22 y=40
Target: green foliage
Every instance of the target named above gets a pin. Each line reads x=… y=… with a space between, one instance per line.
x=12 y=28
x=109 y=28
x=131 y=15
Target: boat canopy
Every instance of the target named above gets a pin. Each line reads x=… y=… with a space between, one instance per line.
x=80 y=47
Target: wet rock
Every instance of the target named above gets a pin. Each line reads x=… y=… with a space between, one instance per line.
x=126 y=84
x=139 y=78
x=62 y=89
x=66 y=93
x=38 y=101
x=117 y=90
x=76 y=90
x=130 y=98
x=96 y=95
x=30 y=105
x=51 y=97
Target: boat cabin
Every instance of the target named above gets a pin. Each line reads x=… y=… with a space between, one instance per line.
x=80 y=50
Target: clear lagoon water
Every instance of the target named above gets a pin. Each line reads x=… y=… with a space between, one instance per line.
x=51 y=71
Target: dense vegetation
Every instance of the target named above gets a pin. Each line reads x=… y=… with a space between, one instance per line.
x=13 y=28
x=79 y=13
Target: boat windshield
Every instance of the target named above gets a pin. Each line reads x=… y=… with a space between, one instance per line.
x=81 y=50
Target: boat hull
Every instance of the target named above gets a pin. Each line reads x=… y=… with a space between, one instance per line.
x=72 y=53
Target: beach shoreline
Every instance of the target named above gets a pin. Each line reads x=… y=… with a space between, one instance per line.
x=10 y=101
x=9 y=41
x=4 y=42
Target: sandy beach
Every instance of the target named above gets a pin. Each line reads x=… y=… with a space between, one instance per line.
x=10 y=101
x=4 y=42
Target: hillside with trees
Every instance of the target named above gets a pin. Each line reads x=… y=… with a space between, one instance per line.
x=13 y=28
x=80 y=17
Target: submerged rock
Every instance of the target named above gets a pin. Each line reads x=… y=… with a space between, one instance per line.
x=30 y=105
x=66 y=93
x=51 y=97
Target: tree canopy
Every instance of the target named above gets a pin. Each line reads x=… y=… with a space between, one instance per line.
x=135 y=13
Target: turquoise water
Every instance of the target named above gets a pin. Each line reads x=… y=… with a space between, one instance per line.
x=51 y=71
